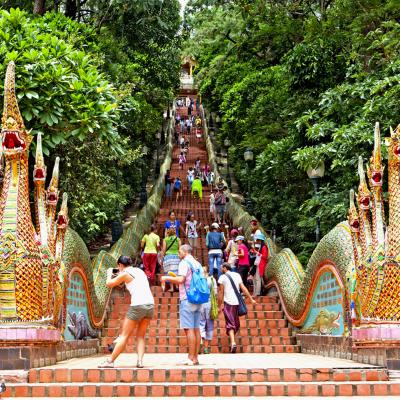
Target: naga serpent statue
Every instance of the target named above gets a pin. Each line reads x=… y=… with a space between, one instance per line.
x=38 y=262
x=355 y=266
x=32 y=276
x=377 y=244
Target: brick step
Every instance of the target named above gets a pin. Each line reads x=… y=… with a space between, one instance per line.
x=243 y=331
x=174 y=323
x=166 y=298
x=224 y=389
x=216 y=349
x=260 y=309
x=173 y=311
x=217 y=342
x=111 y=333
x=200 y=374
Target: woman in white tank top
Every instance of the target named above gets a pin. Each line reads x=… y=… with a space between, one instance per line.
x=140 y=311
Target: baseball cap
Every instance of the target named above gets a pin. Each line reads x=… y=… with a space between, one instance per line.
x=259 y=236
x=215 y=225
x=239 y=238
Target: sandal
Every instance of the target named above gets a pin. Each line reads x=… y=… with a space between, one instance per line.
x=233 y=348
x=139 y=364
x=206 y=350
x=106 y=364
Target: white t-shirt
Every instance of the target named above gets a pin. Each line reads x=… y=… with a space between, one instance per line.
x=192 y=229
x=139 y=288
x=229 y=294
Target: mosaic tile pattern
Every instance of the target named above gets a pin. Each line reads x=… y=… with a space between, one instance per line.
x=327 y=298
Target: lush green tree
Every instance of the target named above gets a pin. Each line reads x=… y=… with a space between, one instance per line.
x=300 y=82
x=90 y=90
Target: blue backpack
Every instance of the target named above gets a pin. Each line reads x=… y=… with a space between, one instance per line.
x=199 y=292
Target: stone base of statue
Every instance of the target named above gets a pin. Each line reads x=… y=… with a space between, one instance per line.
x=378 y=338
x=24 y=347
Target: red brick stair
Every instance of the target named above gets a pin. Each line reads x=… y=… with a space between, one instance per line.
x=264 y=330
x=204 y=382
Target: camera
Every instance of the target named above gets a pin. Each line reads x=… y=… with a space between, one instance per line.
x=115 y=271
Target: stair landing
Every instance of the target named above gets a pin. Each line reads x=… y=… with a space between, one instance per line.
x=226 y=375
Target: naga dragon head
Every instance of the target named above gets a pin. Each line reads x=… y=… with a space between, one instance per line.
x=15 y=139
x=52 y=192
x=364 y=195
x=40 y=170
x=353 y=218
x=62 y=219
x=375 y=168
x=394 y=143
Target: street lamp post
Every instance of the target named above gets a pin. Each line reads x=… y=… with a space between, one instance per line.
x=315 y=174
x=143 y=190
x=227 y=144
x=248 y=157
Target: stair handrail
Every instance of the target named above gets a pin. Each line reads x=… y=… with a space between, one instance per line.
x=239 y=215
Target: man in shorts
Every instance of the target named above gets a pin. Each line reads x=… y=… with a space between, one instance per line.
x=189 y=313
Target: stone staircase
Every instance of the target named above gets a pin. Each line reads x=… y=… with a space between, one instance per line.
x=231 y=380
x=264 y=330
x=268 y=362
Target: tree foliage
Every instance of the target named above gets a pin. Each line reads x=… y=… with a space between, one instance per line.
x=95 y=91
x=300 y=82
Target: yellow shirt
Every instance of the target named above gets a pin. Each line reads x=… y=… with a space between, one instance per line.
x=151 y=241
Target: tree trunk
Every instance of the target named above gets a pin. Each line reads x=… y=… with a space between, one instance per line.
x=39 y=7
x=71 y=8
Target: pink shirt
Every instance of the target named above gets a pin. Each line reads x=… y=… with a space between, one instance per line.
x=244 y=260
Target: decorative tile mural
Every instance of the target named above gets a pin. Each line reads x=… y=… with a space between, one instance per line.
x=77 y=326
x=326 y=310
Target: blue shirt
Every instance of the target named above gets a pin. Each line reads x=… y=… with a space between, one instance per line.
x=175 y=224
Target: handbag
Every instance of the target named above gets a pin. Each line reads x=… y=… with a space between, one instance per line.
x=242 y=309
x=257 y=259
x=214 y=303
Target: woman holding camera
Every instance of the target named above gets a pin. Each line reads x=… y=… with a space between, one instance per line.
x=140 y=311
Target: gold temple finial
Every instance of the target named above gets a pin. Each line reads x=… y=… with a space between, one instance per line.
x=12 y=118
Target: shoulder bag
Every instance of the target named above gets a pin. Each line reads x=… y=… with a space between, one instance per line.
x=242 y=309
x=214 y=302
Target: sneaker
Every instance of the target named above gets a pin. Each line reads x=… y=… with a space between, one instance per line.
x=106 y=364
x=233 y=348
x=206 y=350
x=187 y=361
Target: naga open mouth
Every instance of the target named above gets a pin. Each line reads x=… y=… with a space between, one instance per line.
x=62 y=221
x=364 y=202
x=52 y=198
x=12 y=142
x=39 y=174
